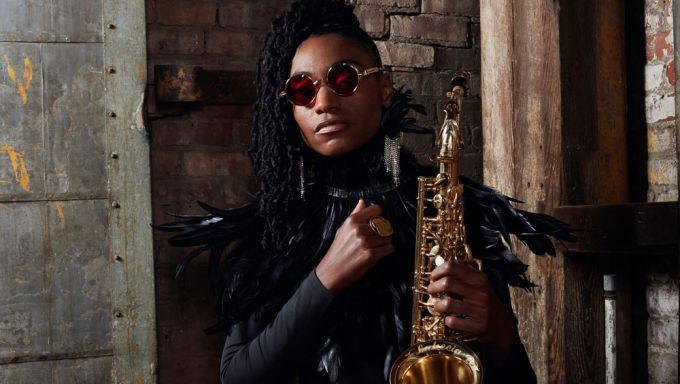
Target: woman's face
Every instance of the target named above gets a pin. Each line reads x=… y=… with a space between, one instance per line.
x=333 y=125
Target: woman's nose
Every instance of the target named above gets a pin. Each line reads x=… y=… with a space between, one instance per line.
x=326 y=100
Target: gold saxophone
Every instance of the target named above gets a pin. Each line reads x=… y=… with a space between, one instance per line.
x=436 y=354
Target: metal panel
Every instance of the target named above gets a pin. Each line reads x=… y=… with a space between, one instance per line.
x=76 y=371
x=76 y=262
x=74 y=121
x=51 y=20
x=79 y=278
x=24 y=310
x=21 y=122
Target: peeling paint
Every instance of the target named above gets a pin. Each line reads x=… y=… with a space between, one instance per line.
x=60 y=213
x=18 y=166
x=138 y=116
x=22 y=84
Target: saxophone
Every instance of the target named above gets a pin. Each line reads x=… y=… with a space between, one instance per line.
x=436 y=354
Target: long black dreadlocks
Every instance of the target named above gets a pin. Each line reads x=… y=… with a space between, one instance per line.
x=276 y=141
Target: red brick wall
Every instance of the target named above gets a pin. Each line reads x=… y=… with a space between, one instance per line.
x=198 y=153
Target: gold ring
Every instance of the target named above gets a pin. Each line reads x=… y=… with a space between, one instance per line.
x=381 y=226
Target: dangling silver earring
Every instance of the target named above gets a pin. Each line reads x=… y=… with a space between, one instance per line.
x=301 y=169
x=391 y=157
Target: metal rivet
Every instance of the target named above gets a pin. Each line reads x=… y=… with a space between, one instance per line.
x=114 y=155
x=115 y=204
x=111 y=114
x=110 y=70
x=110 y=26
x=118 y=314
x=117 y=258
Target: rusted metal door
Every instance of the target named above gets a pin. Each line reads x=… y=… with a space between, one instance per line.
x=76 y=268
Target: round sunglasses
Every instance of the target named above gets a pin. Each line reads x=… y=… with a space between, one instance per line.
x=342 y=79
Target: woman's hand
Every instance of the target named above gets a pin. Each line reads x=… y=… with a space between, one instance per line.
x=355 y=249
x=471 y=304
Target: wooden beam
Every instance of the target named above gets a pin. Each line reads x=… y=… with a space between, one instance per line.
x=554 y=135
x=635 y=228
x=521 y=115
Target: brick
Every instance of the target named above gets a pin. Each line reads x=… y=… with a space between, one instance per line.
x=471 y=166
x=175 y=343
x=185 y=13
x=663 y=367
x=659 y=108
x=434 y=84
x=239 y=190
x=150 y=11
x=238 y=44
x=663 y=332
x=165 y=163
x=226 y=111
x=658 y=193
x=406 y=55
x=658 y=15
x=661 y=138
x=214 y=132
x=172 y=131
x=175 y=41
x=207 y=62
x=663 y=172
x=662 y=299
x=660 y=46
x=249 y=14
x=670 y=73
x=197 y=163
x=448 y=7
x=231 y=164
x=654 y=77
x=181 y=193
x=449 y=31
x=242 y=133
x=372 y=20
x=392 y=5
x=457 y=58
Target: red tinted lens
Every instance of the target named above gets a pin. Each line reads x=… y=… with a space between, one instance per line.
x=300 y=90
x=343 y=79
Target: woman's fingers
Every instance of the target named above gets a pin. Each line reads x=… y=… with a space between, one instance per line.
x=470 y=326
x=361 y=205
x=363 y=215
x=460 y=272
x=455 y=306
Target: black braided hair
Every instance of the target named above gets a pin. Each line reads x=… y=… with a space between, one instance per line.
x=276 y=140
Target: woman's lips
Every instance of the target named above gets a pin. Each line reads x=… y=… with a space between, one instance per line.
x=330 y=126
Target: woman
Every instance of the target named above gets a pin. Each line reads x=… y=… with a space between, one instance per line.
x=310 y=290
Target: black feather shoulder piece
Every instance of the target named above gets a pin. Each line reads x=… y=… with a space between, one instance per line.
x=213 y=233
x=490 y=219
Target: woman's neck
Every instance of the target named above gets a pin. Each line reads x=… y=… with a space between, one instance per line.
x=358 y=169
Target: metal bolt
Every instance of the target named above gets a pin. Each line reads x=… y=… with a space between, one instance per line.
x=115 y=204
x=118 y=314
x=114 y=155
x=117 y=258
x=110 y=26
x=110 y=70
x=111 y=114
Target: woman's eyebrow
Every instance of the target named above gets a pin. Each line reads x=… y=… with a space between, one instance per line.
x=349 y=61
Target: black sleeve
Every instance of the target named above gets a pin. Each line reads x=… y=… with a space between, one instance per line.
x=256 y=350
